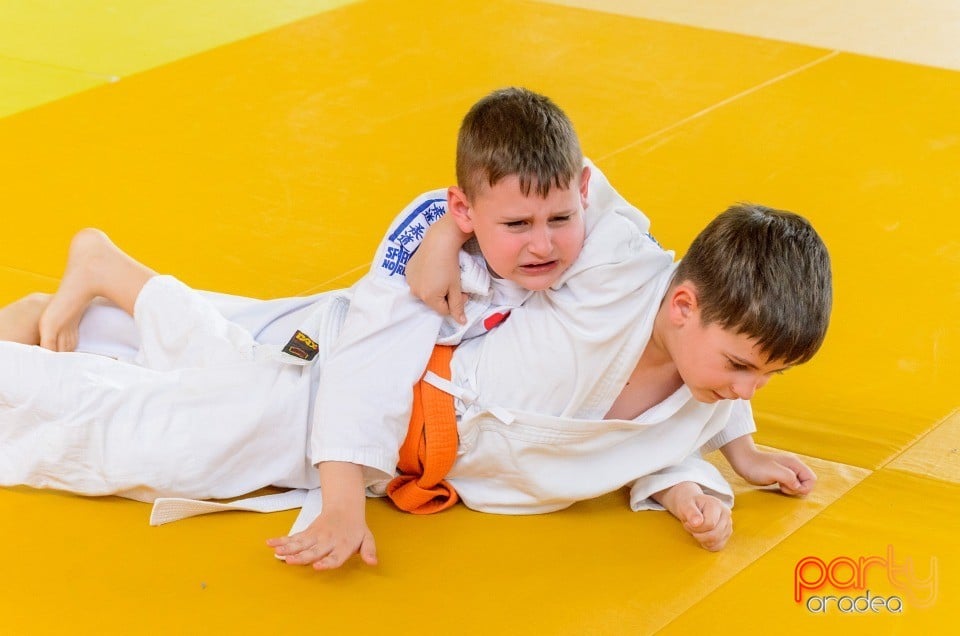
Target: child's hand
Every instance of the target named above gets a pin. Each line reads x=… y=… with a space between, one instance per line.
x=327 y=542
x=763 y=469
x=707 y=520
x=433 y=272
x=702 y=515
x=792 y=475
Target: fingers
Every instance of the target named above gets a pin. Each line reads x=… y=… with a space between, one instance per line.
x=368 y=550
x=322 y=552
x=456 y=301
x=450 y=305
x=691 y=515
x=437 y=304
x=301 y=549
x=711 y=523
x=808 y=479
x=805 y=478
x=793 y=476
x=716 y=538
x=785 y=477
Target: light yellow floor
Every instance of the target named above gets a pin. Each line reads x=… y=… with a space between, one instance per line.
x=259 y=148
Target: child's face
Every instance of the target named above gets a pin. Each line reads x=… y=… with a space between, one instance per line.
x=527 y=239
x=718 y=364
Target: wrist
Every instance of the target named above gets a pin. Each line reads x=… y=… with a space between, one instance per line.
x=450 y=232
x=740 y=452
x=672 y=498
x=342 y=486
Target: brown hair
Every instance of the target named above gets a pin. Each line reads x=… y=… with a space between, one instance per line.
x=764 y=273
x=514 y=131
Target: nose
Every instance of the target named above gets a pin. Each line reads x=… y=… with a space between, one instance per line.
x=745 y=387
x=541 y=244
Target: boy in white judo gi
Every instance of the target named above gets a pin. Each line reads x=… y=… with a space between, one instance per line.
x=539 y=272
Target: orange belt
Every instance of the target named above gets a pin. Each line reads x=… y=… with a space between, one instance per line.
x=430 y=448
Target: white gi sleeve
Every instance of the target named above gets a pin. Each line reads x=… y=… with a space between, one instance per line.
x=619 y=257
x=740 y=423
x=364 y=398
x=694 y=468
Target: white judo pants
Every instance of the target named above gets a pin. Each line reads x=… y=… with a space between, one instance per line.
x=106 y=329
x=198 y=415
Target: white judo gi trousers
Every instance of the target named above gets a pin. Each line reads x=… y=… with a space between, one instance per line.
x=201 y=414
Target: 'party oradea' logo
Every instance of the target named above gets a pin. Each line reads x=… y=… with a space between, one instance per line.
x=863 y=585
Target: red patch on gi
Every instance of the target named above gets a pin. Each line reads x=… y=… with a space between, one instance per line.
x=493 y=320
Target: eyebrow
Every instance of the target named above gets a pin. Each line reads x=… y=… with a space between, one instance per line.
x=506 y=216
x=751 y=365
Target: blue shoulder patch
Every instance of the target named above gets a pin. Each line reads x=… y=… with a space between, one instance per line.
x=406 y=237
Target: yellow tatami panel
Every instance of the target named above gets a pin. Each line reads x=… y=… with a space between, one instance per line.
x=273 y=165
x=891 y=512
x=23 y=84
x=78 y=44
x=937 y=454
x=869 y=150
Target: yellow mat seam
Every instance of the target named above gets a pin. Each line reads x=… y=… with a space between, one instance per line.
x=919 y=438
x=59 y=67
x=327 y=284
x=720 y=104
x=727 y=472
x=17 y=270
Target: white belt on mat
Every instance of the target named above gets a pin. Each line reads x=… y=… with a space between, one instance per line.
x=167 y=509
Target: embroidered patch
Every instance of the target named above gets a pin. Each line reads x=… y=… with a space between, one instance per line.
x=302 y=346
x=403 y=241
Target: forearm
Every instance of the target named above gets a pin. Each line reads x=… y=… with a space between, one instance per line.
x=740 y=452
x=438 y=252
x=433 y=272
x=343 y=489
x=445 y=232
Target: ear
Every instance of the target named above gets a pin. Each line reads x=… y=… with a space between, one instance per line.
x=458 y=207
x=683 y=304
x=584 y=186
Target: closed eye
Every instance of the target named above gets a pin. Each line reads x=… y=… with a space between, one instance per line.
x=736 y=366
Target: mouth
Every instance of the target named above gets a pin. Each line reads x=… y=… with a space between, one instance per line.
x=539 y=268
x=718 y=396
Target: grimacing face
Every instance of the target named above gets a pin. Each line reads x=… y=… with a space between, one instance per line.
x=528 y=239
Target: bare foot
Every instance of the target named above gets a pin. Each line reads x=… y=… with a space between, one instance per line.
x=60 y=322
x=19 y=319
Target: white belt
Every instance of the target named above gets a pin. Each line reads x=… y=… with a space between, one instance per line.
x=167 y=509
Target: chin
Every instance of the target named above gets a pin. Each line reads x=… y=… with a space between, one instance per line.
x=535 y=283
x=707 y=396
x=537 y=286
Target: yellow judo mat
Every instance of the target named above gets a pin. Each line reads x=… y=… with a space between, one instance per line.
x=260 y=148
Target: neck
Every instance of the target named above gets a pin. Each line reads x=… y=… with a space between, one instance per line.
x=656 y=353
